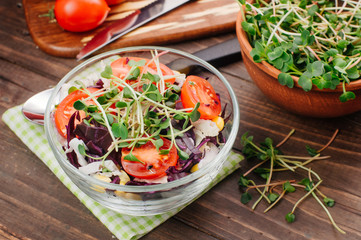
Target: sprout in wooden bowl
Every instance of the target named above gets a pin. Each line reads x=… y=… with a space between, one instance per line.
x=304 y=55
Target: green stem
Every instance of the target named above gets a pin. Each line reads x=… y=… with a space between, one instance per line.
x=271 y=169
x=275 y=202
x=296 y=162
x=256 y=147
x=277 y=26
x=182 y=112
x=344 y=86
x=316 y=157
x=179 y=133
x=286 y=165
x=259 y=191
x=260 y=198
x=171 y=130
x=305 y=196
x=296 y=71
x=319 y=192
x=309 y=170
x=105 y=119
x=328 y=214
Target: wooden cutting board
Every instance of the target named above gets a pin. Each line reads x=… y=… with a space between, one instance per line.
x=195 y=19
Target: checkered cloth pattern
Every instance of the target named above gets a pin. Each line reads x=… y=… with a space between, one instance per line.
x=122 y=226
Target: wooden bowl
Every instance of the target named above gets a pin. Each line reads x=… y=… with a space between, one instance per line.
x=315 y=103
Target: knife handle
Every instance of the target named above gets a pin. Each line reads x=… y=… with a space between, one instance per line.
x=217 y=55
x=222 y=53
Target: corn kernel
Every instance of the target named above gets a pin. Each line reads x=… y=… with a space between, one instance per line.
x=126 y=195
x=219 y=122
x=133 y=196
x=194 y=168
x=119 y=193
x=124 y=178
x=101 y=178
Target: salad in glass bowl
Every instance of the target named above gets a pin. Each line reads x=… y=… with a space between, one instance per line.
x=138 y=132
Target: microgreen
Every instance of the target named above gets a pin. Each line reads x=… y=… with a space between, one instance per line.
x=246 y=197
x=135 y=109
x=305 y=81
x=290 y=217
x=285 y=79
x=158 y=143
x=86 y=122
x=329 y=201
x=134 y=74
x=152 y=92
x=107 y=73
x=183 y=155
x=243 y=181
x=79 y=105
x=128 y=93
x=195 y=115
x=267 y=153
x=307 y=183
x=347 y=96
x=152 y=77
x=139 y=63
x=102 y=100
x=164 y=124
x=131 y=157
x=319 y=42
x=81 y=149
x=97 y=117
x=72 y=89
x=164 y=152
x=92 y=108
x=121 y=104
x=120 y=130
x=273 y=197
x=288 y=187
x=311 y=151
x=249 y=28
x=110 y=118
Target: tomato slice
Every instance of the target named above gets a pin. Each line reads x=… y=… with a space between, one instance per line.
x=196 y=89
x=65 y=109
x=121 y=68
x=154 y=165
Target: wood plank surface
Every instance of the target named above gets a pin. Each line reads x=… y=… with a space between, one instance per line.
x=34 y=204
x=195 y=19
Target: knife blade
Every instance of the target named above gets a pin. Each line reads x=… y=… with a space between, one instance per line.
x=123 y=26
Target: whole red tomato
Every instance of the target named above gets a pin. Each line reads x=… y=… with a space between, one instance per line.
x=113 y=2
x=80 y=15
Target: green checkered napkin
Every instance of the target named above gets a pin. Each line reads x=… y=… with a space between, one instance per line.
x=122 y=226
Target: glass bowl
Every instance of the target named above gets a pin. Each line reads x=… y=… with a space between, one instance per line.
x=150 y=199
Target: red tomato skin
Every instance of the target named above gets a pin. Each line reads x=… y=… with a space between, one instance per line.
x=80 y=15
x=121 y=68
x=196 y=89
x=65 y=109
x=114 y=2
x=149 y=155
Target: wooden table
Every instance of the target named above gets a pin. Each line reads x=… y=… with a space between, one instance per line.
x=34 y=204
